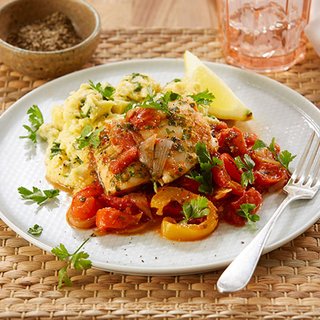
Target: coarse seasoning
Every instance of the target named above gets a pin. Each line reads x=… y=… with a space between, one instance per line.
x=54 y=32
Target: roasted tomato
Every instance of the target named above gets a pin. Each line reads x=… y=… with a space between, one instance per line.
x=231 y=140
x=231 y=167
x=230 y=213
x=269 y=174
x=250 y=139
x=114 y=219
x=144 y=118
x=85 y=205
x=124 y=160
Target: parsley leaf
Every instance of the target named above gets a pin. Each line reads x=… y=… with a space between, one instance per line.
x=36 y=120
x=78 y=260
x=285 y=157
x=258 y=144
x=247 y=164
x=204 y=177
x=204 y=97
x=106 y=92
x=161 y=103
x=36 y=230
x=37 y=195
x=55 y=149
x=195 y=208
x=89 y=137
x=246 y=210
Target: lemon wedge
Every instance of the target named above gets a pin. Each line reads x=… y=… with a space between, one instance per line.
x=226 y=104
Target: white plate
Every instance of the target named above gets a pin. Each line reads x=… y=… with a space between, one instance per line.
x=279 y=112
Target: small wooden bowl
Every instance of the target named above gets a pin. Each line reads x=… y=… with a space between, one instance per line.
x=48 y=64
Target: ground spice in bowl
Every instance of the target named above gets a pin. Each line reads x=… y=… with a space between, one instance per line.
x=54 y=32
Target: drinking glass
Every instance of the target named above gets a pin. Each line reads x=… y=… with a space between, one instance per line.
x=264 y=35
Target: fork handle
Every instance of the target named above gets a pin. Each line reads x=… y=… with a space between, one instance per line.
x=239 y=272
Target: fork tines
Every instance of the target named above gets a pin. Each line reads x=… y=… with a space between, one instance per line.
x=307 y=170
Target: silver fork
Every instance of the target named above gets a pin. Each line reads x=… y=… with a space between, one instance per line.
x=303 y=184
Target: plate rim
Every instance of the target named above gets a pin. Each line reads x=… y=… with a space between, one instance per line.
x=306 y=108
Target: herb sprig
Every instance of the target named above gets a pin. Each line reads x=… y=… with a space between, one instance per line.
x=55 y=149
x=36 y=230
x=204 y=175
x=106 y=92
x=78 y=260
x=246 y=211
x=284 y=157
x=36 y=120
x=38 y=196
x=88 y=137
x=161 y=103
x=247 y=164
x=204 y=97
x=195 y=208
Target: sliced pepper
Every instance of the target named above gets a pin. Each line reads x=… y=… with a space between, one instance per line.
x=172 y=230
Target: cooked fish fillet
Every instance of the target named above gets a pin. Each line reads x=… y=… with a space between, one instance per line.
x=151 y=145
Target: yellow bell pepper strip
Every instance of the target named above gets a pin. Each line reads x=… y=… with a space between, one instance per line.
x=172 y=230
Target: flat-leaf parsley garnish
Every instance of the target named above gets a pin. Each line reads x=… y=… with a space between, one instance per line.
x=161 y=103
x=36 y=120
x=106 y=92
x=206 y=163
x=204 y=97
x=38 y=196
x=88 y=137
x=36 y=230
x=247 y=164
x=246 y=211
x=284 y=157
x=195 y=208
x=55 y=149
x=78 y=260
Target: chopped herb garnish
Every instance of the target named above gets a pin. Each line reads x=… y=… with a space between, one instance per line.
x=138 y=87
x=85 y=115
x=106 y=92
x=258 y=144
x=246 y=210
x=89 y=137
x=160 y=103
x=247 y=164
x=78 y=260
x=37 y=195
x=204 y=97
x=176 y=80
x=195 y=208
x=55 y=149
x=36 y=120
x=285 y=157
x=204 y=176
x=36 y=230
x=78 y=159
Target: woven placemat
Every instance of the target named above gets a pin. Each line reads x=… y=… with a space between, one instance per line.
x=286 y=284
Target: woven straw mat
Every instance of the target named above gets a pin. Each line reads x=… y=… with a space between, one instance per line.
x=286 y=284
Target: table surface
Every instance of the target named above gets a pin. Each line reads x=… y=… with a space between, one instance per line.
x=154 y=13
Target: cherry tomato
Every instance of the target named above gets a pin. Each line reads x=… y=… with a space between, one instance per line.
x=143 y=118
x=268 y=174
x=124 y=160
x=122 y=138
x=86 y=202
x=188 y=184
x=231 y=167
x=250 y=139
x=230 y=213
x=111 y=218
x=231 y=140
